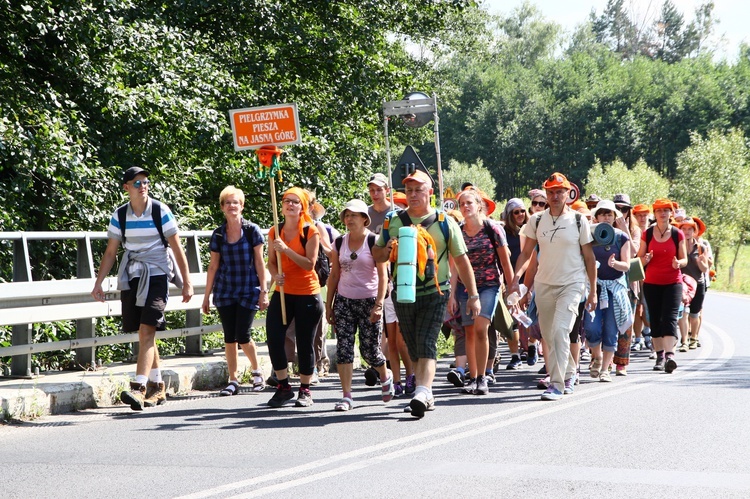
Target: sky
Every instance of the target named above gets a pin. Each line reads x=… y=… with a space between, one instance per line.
x=733 y=16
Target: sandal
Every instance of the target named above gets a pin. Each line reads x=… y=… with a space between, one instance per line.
x=387 y=388
x=233 y=388
x=345 y=404
x=258 y=383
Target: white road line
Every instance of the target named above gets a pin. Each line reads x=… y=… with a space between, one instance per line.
x=457 y=431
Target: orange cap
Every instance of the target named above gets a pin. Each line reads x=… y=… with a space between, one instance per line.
x=661 y=204
x=641 y=208
x=555 y=181
x=418 y=176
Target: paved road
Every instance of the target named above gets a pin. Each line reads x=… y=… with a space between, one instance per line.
x=646 y=435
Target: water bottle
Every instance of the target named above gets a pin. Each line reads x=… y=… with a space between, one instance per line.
x=429 y=268
x=516 y=296
x=522 y=318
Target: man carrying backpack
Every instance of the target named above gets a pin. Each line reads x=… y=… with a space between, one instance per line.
x=421 y=321
x=566 y=262
x=147 y=230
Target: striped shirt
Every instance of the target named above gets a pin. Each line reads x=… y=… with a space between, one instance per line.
x=142 y=235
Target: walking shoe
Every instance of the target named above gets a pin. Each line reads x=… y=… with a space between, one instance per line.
x=490 y=378
x=481 y=386
x=514 y=364
x=659 y=366
x=456 y=377
x=533 y=357
x=421 y=404
x=315 y=379
x=584 y=356
x=258 y=384
x=552 y=393
x=272 y=379
x=652 y=355
x=693 y=343
x=621 y=371
x=543 y=383
x=569 y=385
x=670 y=365
x=156 y=394
x=605 y=377
x=398 y=390
x=371 y=376
x=387 y=387
x=411 y=384
x=595 y=368
x=524 y=356
x=683 y=347
x=135 y=397
x=282 y=395
x=304 y=398
x=543 y=370
x=640 y=344
x=470 y=387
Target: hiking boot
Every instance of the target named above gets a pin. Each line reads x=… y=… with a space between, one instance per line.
x=411 y=384
x=371 y=376
x=304 y=398
x=156 y=394
x=456 y=377
x=514 y=364
x=659 y=366
x=670 y=365
x=135 y=397
x=282 y=395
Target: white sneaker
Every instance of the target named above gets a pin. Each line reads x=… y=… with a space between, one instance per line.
x=421 y=404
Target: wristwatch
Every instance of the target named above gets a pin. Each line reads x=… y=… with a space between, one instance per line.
x=474 y=297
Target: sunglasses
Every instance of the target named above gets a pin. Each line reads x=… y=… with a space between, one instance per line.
x=539 y=203
x=518 y=212
x=623 y=209
x=138 y=183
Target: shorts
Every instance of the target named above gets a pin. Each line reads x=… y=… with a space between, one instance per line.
x=152 y=313
x=389 y=311
x=421 y=322
x=487 y=301
x=236 y=321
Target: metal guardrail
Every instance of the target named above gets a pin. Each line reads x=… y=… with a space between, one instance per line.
x=24 y=302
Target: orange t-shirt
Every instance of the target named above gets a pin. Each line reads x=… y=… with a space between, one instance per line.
x=297 y=281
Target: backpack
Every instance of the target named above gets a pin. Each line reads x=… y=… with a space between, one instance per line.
x=246 y=226
x=425 y=243
x=340 y=240
x=122 y=213
x=673 y=233
x=322 y=267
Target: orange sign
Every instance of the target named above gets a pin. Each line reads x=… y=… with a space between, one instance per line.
x=256 y=127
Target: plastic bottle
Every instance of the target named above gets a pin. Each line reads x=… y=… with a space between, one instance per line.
x=429 y=268
x=522 y=318
x=516 y=296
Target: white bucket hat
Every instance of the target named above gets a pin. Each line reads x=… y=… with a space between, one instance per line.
x=356 y=206
x=606 y=204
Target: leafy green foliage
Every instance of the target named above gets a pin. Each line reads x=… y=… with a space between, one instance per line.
x=641 y=183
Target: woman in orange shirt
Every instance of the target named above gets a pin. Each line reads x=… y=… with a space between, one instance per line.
x=298 y=245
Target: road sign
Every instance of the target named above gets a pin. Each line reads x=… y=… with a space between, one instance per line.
x=255 y=127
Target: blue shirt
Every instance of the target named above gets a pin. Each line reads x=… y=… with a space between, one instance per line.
x=236 y=281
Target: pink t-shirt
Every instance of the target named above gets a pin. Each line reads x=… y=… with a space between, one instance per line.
x=359 y=276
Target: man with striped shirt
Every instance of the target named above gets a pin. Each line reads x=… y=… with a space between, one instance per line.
x=152 y=247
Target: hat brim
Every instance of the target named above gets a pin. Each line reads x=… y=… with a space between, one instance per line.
x=595 y=211
x=701 y=226
x=368 y=221
x=490 y=205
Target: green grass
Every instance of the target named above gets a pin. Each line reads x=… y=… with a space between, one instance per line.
x=741 y=278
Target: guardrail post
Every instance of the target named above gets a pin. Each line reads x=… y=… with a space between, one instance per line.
x=85 y=328
x=193 y=344
x=20 y=365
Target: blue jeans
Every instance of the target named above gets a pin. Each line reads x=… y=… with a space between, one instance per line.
x=603 y=329
x=487 y=301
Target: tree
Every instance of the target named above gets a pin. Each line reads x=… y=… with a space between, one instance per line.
x=458 y=173
x=641 y=183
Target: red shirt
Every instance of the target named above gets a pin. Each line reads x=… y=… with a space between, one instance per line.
x=659 y=270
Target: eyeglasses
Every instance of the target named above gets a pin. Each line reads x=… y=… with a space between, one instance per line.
x=539 y=203
x=623 y=209
x=353 y=256
x=138 y=183
x=290 y=201
x=518 y=212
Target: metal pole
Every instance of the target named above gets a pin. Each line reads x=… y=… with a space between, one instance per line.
x=388 y=154
x=437 y=151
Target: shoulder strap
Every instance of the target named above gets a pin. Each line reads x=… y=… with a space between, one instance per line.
x=156 y=217
x=675 y=239
x=338 y=242
x=578 y=221
x=122 y=215
x=303 y=237
x=487 y=227
x=649 y=236
x=370 y=240
x=405 y=219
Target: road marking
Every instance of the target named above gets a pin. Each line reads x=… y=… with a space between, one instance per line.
x=467 y=428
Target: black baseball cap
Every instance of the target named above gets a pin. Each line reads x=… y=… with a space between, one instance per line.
x=131 y=173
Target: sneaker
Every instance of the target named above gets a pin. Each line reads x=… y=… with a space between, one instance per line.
x=670 y=365
x=470 y=387
x=595 y=368
x=315 y=379
x=621 y=371
x=533 y=357
x=552 y=393
x=659 y=366
x=543 y=370
x=136 y=397
x=398 y=390
x=490 y=378
x=524 y=356
x=514 y=364
x=543 y=383
x=456 y=377
x=421 y=404
x=481 y=386
x=605 y=377
x=585 y=356
x=272 y=379
x=304 y=398
x=652 y=355
x=569 y=385
x=640 y=344
x=282 y=395
x=683 y=347
x=411 y=384
x=156 y=394
x=371 y=376
x=387 y=387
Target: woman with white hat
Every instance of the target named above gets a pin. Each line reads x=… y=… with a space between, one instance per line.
x=356 y=291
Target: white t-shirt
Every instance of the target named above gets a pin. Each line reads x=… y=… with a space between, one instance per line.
x=560 y=241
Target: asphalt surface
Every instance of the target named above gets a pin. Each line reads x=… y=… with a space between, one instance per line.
x=649 y=434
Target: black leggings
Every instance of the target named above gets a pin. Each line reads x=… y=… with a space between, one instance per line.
x=307 y=311
x=236 y=321
x=663 y=301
